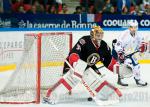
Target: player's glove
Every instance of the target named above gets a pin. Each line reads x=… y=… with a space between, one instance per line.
x=143 y=47
x=73 y=58
x=121 y=56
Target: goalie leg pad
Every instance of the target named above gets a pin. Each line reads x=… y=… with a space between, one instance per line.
x=79 y=69
x=63 y=86
x=98 y=84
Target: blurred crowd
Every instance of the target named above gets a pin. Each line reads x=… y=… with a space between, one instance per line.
x=124 y=7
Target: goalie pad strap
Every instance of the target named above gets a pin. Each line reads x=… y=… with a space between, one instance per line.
x=115 y=89
x=61 y=81
x=65 y=84
x=101 y=86
x=109 y=85
x=77 y=74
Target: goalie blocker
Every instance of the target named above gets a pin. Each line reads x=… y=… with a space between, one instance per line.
x=102 y=89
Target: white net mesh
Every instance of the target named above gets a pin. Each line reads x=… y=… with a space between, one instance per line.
x=22 y=86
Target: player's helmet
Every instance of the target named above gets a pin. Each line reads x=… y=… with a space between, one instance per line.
x=133 y=23
x=133 y=26
x=96 y=31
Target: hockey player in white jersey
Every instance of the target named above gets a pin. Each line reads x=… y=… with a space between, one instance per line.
x=130 y=41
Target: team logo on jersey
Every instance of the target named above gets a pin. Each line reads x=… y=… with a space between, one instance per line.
x=93 y=59
x=78 y=47
x=82 y=41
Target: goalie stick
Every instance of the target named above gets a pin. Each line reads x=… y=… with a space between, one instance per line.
x=87 y=88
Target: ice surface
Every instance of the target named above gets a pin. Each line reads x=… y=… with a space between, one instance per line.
x=133 y=96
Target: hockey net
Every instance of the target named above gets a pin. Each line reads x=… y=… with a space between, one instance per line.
x=40 y=67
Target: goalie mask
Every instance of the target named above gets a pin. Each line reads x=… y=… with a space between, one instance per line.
x=97 y=34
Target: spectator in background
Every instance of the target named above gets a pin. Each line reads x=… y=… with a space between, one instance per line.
x=121 y=4
x=27 y=1
x=39 y=7
x=16 y=4
x=146 y=2
x=114 y=2
x=107 y=6
x=144 y=5
x=148 y=10
x=7 y=6
x=21 y=10
x=59 y=5
x=98 y=6
x=51 y=2
x=136 y=11
x=86 y=3
x=125 y=11
x=84 y=10
x=111 y=11
x=1 y=6
x=90 y=10
x=52 y=10
x=78 y=10
x=32 y=10
x=64 y=9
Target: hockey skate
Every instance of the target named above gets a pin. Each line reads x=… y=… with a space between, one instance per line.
x=53 y=99
x=46 y=100
x=120 y=82
x=139 y=82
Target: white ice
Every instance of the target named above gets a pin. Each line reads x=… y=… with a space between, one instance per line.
x=133 y=96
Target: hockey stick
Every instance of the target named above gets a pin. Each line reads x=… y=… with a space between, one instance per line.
x=101 y=67
x=87 y=88
x=126 y=70
x=129 y=55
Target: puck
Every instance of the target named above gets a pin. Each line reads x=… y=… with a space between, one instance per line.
x=89 y=99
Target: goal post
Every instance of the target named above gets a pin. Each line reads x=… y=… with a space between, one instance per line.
x=40 y=67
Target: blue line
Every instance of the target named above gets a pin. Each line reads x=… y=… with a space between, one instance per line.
x=64 y=29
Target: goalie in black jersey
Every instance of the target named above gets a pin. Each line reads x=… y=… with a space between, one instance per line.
x=91 y=49
x=80 y=66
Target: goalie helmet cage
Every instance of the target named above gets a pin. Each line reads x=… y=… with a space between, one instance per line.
x=40 y=67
